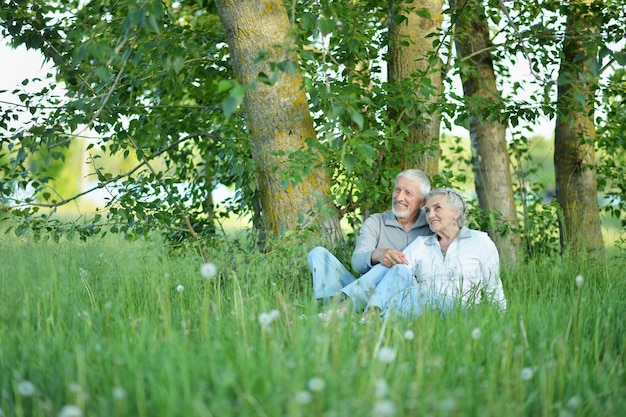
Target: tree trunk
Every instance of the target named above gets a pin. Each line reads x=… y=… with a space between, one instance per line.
x=575 y=134
x=411 y=57
x=490 y=158
x=279 y=119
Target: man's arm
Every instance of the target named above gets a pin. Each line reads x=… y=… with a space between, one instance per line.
x=367 y=253
x=366 y=242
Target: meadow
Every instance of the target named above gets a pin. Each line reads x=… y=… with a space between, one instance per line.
x=115 y=328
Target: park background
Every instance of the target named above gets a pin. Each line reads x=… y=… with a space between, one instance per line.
x=96 y=322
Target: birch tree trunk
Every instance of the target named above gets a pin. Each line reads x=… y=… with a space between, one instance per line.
x=410 y=51
x=575 y=134
x=490 y=158
x=279 y=120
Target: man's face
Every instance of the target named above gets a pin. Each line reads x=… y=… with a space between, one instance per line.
x=406 y=202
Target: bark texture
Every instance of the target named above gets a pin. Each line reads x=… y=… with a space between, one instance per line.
x=409 y=48
x=279 y=120
x=574 y=153
x=490 y=157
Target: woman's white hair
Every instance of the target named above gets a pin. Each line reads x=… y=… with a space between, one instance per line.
x=454 y=199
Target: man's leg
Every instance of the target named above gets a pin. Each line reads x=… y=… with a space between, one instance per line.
x=329 y=275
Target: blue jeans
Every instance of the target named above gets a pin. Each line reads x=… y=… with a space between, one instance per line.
x=329 y=275
x=362 y=289
x=330 y=278
x=390 y=289
x=398 y=292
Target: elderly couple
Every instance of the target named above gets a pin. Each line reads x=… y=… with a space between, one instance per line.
x=415 y=257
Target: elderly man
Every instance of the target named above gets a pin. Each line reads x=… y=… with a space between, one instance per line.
x=381 y=240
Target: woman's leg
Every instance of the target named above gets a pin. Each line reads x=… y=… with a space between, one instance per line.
x=360 y=290
x=395 y=281
x=416 y=300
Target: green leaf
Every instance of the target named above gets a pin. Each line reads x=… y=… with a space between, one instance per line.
x=103 y=73
x=230 y=105
x=423 y=12
x=154 y=24
x=620 y=57
x=580 y=97
x=327 y=25
x=267 y=79
x=349 y=161
x=225 y=85
x=357 y=118
x=308 y=19
x=367 y=151
x=178 y=63
x=260 y=57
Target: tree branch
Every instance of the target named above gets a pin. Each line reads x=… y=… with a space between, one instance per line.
x=120 y=176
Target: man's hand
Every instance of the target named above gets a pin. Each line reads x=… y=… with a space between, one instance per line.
x=388 y=257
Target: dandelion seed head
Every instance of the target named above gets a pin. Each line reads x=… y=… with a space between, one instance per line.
x=119 y=393
x=303 y=397
x=316 y=384
x=26 y=388
x=579 y=280
x=384 y=408
x=574 y=402
x=82 y=273
x=208 y=270
x=274 y=314
x=70 y=411
x=266 y=319
x=526 y=374
x=476 y=333
x=386 y=354
x=75 y=388
x=180 y=288
x=409 y=335
x=381 y=387
x=448 y=405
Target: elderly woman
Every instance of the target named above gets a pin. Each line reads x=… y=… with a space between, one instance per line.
x=455 y=266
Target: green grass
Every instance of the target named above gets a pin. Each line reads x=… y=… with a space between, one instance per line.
x=101 y=325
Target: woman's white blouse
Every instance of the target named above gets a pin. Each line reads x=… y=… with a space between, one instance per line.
x=470 y=269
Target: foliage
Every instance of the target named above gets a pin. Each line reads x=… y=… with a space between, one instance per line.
x=612 y=145
x=149 y=83
x=128 y=329
x=539 y=211
x=146 y=82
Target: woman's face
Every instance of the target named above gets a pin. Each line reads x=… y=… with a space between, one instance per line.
x=440 y=216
